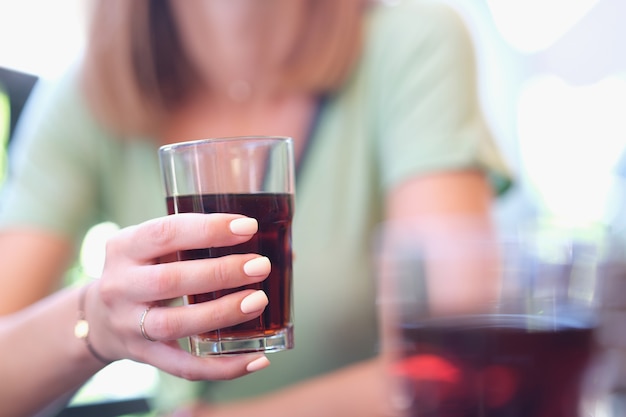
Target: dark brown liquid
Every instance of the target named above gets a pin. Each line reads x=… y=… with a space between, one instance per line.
x=501 y=368
x=274 y=213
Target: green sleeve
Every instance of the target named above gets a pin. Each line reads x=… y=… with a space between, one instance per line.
x=424 y=84
x=51 y=181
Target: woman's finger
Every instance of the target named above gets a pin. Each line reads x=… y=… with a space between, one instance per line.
x=171 y=323
x=172 y=359
x=159 y=237
x=172 y=280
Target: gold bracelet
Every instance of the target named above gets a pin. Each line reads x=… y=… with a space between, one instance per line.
x=81 y=328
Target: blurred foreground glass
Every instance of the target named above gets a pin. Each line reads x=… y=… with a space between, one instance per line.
x=479 y=327
x=253 y=176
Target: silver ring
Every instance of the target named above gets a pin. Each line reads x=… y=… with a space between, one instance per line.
x=142 y=320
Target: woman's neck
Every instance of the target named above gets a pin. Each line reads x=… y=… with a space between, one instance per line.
x=218 y=116
x=239 y=45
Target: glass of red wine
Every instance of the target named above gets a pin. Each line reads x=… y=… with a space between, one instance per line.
x=253 y=176
x=475 y=326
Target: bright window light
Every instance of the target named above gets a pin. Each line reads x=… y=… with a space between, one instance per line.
x=93 y=248
x=41 y=37
x=570 y=140
x=534 y=25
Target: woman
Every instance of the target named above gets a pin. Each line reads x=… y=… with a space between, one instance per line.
x=380 y=101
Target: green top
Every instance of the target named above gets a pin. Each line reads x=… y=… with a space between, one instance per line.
x=409 y=108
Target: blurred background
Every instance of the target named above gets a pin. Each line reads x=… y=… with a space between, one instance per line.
x=552 y=77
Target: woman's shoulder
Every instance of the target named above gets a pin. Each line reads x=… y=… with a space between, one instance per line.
x=56 y=115
x=55 y=101
x=414 y=23
x=417 y=13
x=59 y=89
x=405 y=38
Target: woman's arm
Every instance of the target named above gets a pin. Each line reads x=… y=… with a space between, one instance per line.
x=462 y=194
x=33 y=263
x=43 y=358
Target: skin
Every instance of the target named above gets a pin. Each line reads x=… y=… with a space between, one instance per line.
x=264 y=32
x=132 y=280
x=123 y=291
x=37 y=279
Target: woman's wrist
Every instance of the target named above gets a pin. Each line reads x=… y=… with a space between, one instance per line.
x=82 y=328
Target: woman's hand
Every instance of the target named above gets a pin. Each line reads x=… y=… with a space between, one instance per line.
x=134 y=280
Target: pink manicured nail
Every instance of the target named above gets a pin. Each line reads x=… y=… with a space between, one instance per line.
x=257 y=266
x=244 y=226
x=254 y=302
x=258 y=364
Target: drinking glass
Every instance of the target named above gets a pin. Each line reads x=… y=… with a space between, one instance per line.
x=253 y=176
x=475 y=326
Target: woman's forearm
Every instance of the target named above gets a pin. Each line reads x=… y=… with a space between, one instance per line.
x=41 y=355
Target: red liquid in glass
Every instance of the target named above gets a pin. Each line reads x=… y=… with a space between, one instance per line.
x=274 y=214
x=501 y=368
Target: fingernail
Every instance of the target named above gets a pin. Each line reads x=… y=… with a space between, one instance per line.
x=257 y=266
x=254 y=302
x=244 y=226
x=258 y=364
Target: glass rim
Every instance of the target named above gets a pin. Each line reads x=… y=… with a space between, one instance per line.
x=197 y=142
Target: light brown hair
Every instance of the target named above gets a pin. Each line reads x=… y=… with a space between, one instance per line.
x=135 y=69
